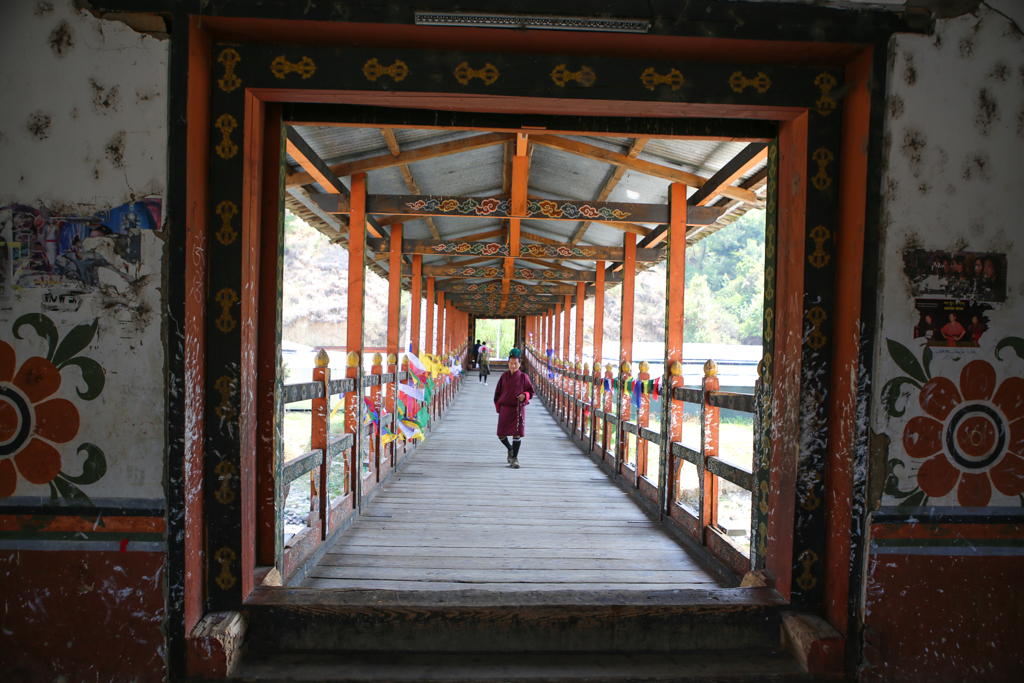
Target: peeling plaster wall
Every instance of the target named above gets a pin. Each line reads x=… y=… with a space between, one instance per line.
x=948 y=422
x=82 y=389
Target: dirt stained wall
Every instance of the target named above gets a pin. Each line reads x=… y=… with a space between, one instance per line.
x=82 y=388
x=948 y=425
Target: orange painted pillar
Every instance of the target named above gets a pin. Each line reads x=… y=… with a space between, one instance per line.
x=580 y=294
x=568 y=327
x=556 y=338
x=626 y=336
x=439 y=344
x=417 y=300
x=394 y=343
x=354 y=339
x=709 y=446
x=643 y=419
x=675 y=289
x=607 y=407
x=320 y=504
x=598 y=346
x=428 y=345
x=376 y=401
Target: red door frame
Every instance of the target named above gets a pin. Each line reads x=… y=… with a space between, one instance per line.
x=850 y=248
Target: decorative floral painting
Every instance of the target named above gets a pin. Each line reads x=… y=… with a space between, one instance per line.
x=38 y=428
x=963 y=435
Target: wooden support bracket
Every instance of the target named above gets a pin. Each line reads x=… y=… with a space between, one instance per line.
x=216 y=645
x=819 y=648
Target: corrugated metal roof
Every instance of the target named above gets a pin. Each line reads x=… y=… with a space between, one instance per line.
x=553 y=174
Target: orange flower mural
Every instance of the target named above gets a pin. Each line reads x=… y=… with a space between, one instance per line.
x=973 y=438
x=34 y=423
x=970 y=437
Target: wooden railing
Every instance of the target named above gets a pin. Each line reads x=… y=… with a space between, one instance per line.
x=346 y=469
x=599 y=413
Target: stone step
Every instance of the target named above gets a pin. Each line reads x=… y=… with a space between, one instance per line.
x=333 y=621
x=477 y=667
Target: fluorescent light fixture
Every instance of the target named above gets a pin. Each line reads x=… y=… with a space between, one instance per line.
x=529 y=21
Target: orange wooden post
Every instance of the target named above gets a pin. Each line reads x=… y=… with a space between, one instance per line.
x=598 y=333
x=318 y=441
x=375 y=400
x=416 y=303
x=428 y=346
x=578 y=351
x=709 y=448
x=607 y=407
x=595 y=402
x=626 y=338
x=394 y=324
x=675 y=290
x=394 y=416
x=566 y=351
x=643 y=419
x=439 y=352
x=392 y=394
x=354 y=340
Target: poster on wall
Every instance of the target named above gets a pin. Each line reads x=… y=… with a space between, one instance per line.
x=951 y=322
x=977 y=276
x=72 y=255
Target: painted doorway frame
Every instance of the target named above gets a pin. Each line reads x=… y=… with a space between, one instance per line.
x=200 y=563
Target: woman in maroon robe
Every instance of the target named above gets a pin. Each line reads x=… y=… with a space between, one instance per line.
x=511 y=397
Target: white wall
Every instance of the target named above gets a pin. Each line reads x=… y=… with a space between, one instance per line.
x=955 y=150
x=82 y=132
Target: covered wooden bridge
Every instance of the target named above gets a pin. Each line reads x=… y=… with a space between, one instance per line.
x=614 y=506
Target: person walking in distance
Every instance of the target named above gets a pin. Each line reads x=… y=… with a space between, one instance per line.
x=511 y=397
x=484 y=361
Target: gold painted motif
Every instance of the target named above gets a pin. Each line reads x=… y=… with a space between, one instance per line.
x=226 y=298
x=281 y=67
x=762 y=532
x=816 y=316
x=225 y=124
x=226 y=386
x=825 y=82
x=819 y=259
x=229 y=81
x=225 y=472
x=224 y=557
x=585 y=76
x=738 y=82
x=763 y=505
x=651 y=78
x=773 y=176
x=767 y=379
x=373 y=70
x=226 y=210
x=823 y=158
x=489 y=74
x=769 y=282
x=807 y=580
x=769 y=328
x=769 y=238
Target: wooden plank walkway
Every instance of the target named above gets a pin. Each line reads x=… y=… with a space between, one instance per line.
x=458 y=517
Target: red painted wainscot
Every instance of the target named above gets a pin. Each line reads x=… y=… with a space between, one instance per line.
x=944 y=603
x=82 y=615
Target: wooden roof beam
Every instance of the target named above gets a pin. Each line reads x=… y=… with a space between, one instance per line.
x=411 y=156
x=618 y=172
x=646 y=167
x=751 y=155
x=320 y=172
x=392 y=143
